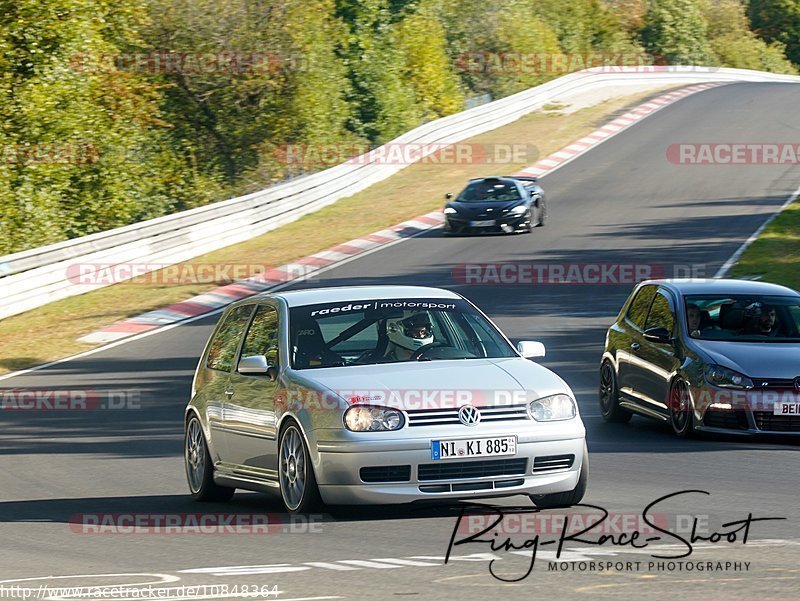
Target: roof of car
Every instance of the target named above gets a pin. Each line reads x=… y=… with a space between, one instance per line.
x=313 y=296
x=521 y=178
x=723 y=286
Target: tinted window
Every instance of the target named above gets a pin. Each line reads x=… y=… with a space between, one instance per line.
x=390 y=330
x=222 y=349
x=746 y=318
x=490 y=191
x=262 y=337
x=637 y=312
x=660 y=315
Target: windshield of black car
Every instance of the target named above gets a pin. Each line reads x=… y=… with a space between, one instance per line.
x=390 y=331
x=743 y=318
x=490 y=191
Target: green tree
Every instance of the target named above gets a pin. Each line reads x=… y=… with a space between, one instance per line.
x=383 y=101
x=677 y=30
x=85 y=149
x=778 y=21
x=738 y=47
x=420 y=38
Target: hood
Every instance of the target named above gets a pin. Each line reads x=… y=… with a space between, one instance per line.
x=754 y=359
x=451 y=383
x=485 y=209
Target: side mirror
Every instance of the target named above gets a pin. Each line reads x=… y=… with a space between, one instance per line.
x=530 y=349
x=254 y=364
x=660 y=335
x=448 y=196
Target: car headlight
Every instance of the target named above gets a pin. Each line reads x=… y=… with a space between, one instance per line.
x=519 y=210
x=363 y=418
x=716 y=375
x=553 y=408
x=449 y=211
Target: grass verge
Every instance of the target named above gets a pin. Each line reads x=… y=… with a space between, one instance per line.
x=52 y=331
x=775 y=256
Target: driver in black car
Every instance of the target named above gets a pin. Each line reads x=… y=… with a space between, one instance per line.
x=406 y=335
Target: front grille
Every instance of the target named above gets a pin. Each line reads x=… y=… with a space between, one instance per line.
x=551 y=463
x=470 y=486
x=773 y=383
x=768 y=422
x=449 y=417
x=732 y=420
x=454 y=470
x=386 y=473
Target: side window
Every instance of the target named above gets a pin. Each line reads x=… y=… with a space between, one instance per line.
x=660 y=315
x=262 y=337
x=637 y=311
x=223 y=346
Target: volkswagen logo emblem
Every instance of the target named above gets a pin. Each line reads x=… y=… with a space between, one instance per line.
x=797 y=384
x=469 y=415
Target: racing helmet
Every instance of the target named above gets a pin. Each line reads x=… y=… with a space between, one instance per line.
x=410 y=332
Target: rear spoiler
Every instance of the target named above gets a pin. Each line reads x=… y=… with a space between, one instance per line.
x=522 y=178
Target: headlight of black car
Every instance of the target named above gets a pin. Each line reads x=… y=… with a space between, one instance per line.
x=722 y=377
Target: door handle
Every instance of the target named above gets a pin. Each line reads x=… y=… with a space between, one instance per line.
x=635 y=346
x=229 y=392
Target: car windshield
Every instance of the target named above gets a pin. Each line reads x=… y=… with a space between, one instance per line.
x=389 y=331
x=744 y=318
x=490 y=191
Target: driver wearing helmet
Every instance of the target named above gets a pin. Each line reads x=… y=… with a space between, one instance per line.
x=406 y=335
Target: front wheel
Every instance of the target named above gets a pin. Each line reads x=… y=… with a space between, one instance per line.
x=299 y=489
x=609 y=396
x=199 y=469
x=570 y=497
x=680 y=409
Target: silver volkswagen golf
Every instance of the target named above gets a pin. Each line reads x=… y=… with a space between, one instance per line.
x=383 y=394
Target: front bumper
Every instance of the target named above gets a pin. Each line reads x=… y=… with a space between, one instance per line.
x=339 y=472
x=504 y=225
x=742 y=412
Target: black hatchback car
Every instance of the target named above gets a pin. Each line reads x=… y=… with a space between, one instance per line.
x=713 y=355
x=505 y=204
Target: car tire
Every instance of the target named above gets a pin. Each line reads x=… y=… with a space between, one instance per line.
x=298 y=484
x=199 y=468
x=609 y=396
x=681 y=417
x=570 y=497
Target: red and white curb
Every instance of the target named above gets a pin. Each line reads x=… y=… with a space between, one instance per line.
x=300 y=269
x=612 y=128
x=307 y=266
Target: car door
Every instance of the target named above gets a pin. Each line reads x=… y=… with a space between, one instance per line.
x=214 y=380
x=250 y=419
x=629 y=339
x=657 y=361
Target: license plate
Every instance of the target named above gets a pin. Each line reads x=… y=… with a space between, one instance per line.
x=476 y=447
x=784 y=408
x=486 y=223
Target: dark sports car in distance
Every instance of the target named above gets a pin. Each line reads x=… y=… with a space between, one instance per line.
x=719 y=356
x=505 y=204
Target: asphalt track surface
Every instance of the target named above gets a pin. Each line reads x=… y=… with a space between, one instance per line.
x=621 y=203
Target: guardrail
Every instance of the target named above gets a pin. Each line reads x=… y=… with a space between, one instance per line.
x=38 y=276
